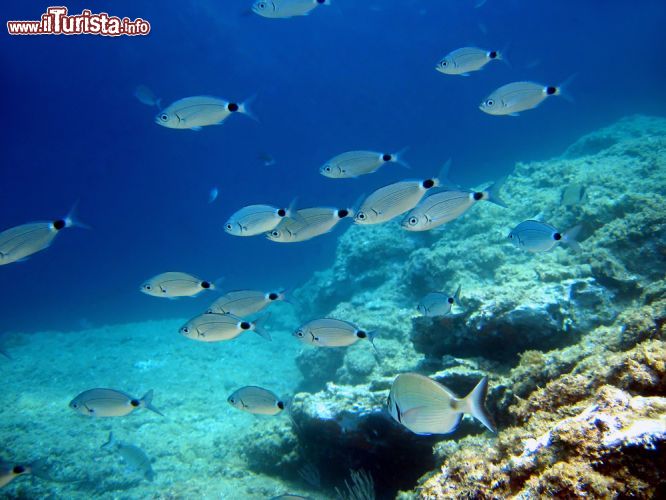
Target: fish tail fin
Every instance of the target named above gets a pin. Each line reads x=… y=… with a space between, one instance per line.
x=215 y=285
x=563 y=88
x=244 y=107
x=258 y=326
x=474 y=404
x=570 y=237
x=442 y=179
x=292 y=212
x=456 y=296
x=503 y=55
x=398 y=157
x=72 y=220
x=110 y=441
x=147 y=402
x=493 y=192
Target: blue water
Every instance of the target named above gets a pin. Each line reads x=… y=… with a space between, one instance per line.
x=356 y=75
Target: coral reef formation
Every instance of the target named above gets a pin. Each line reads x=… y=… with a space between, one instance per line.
x=573 y=343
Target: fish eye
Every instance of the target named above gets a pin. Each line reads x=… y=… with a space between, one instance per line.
x=148 y=287
x=73 y=404
x=327 y=168
x=231 y=400
x=164 y=117
x=299 y=333
x=261 y=5
x=186 y=329
x=443 y=64
x=413 y=221
x=490 y=103
x=275 y=233
x=510 y=236
x=361 y=216
x=228 y=226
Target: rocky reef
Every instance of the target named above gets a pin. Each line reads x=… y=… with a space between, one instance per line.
x=573 y=343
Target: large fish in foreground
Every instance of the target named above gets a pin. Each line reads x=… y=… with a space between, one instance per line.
x=313 y=222
x=427 y=407
x=212 y=327
x=199 y=111
x=390 y=201
x=512 y=98
x=175 y=284
x=256 y=400
x=110 y=403
x=242 y=303
x=443 y=207
x=536 y=236
x=20 y=242
x=329 y=332
x=354 y=163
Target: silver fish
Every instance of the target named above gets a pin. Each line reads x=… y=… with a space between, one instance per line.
x=443 y=207
x=282 y=9
x=427 y=407
x=133 y=456
x=439 y=304
x=329 y=332
x=199 y=111
x=464 y=60
x=392 y=200
x=314 y=222
x=257 y=219
x=536 y=236
x=515 y=97
x=147 y=96
x=211 y=327
x=573 y=194
x=20 y=242
x=110 y=403
x=256 y=400
x=354 y=163
x=242 y=303
x=175 y=284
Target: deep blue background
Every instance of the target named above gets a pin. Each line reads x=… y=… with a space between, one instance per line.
x=356 y=75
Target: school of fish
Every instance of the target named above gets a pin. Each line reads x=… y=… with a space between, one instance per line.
x=416 y=402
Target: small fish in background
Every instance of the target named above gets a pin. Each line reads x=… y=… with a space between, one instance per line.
x=211 y=327
x=355 y=163
x=256 y=400
x=200 y=111
x=329 y=332
x=20 y=242
x=110 y=403
x=266 y=159
x=242 y=303
x=133 y=456
x=427 y=407
x=256 y=219
x=437 y=304
x=467 y=59
x=390 y=201
x=512 y=98
x=536 y=236
x=315 y=222
x=443 y=207
x=213 y=194
x=175 y=284
x=573 y=195
x=283 y=9
x=10 y=471
x=146 y=96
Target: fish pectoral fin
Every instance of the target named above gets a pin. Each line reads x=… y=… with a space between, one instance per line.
x=513 y=114
x=196 y=129
x=464 y=74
